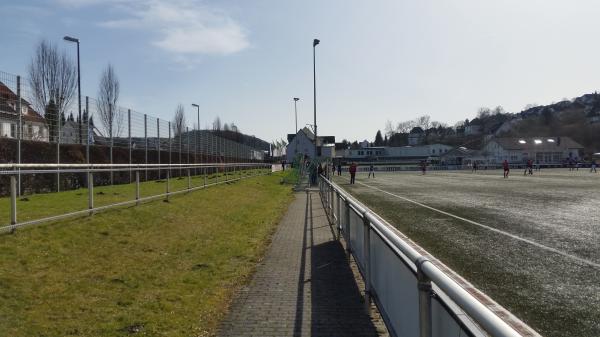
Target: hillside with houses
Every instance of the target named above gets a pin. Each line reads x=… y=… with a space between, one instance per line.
x=578 y=119
x=554 y=134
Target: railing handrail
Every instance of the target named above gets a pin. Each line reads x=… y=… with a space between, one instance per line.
x=231 y=172
x=50 y=165
x=480 y=313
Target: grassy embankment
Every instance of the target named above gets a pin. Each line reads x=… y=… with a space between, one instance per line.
x=158 y=269
x=37 y=206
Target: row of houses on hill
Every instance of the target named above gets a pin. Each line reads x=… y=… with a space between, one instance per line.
x=543 y=150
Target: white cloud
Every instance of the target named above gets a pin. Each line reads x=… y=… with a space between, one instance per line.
x=184 y=28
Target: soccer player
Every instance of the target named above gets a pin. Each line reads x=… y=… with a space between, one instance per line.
x=593 y=168
x=371 y=171
x=352 y=170
x=529 y=168
x=475 y=167
x=423 y=167
x=506 y=168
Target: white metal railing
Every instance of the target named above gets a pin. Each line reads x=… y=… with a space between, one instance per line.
x=414 y=296
x=231 y=172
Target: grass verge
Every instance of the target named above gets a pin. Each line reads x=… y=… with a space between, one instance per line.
x=158 y=269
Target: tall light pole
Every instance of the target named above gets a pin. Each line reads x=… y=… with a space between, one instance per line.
x=198 y=109
x=315 y=43
x=75 y=40
x=296 y=99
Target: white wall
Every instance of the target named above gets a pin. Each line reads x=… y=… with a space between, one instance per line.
x=300 y=144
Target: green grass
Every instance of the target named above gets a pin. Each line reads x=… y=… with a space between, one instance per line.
x=37 y=206
x=158 y=269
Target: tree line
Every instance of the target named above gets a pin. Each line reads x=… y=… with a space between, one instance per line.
x=53 y=82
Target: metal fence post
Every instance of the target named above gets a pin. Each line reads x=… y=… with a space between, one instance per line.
x=339 y=214
x=91 y=192
x=19 y=132
x=129 y=136
x=137 y=187
x=331 y=201
x=112 y=175
x=367 y=256
x=424 y=286
x=188 y=145
x=189 y=173
x=13 y=202
x=169 y=126
x=58 y=122
x=168 y=187
x=347 y=228
x=87 y=122
x=146 y=144
x=158 y=144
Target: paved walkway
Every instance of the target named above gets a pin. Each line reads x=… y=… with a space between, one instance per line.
x=305 y=286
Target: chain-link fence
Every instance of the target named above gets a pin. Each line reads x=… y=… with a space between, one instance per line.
x=38 y=128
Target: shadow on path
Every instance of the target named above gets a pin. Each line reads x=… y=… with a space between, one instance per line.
x=336 y=303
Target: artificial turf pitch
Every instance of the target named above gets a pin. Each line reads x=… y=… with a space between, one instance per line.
x=555 y=290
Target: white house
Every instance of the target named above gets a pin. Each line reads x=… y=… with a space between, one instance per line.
x=462 y=156
x=472 y=129
x=543 y=150
x=398 y=153
x=328 y=151
x=68 y=132
x=33 y=124
x=303 y=142
x=416 y=136
x=300 y=143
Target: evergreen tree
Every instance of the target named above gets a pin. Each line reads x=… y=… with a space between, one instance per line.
x=378 y=139
x=51 y=116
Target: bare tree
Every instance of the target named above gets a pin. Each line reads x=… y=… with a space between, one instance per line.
x=179 y=121
x=217 y=124
x=108 y=96
x=178 y=126
x=53 y=78
x=389 y=128
x=405 y=127
x=424 y=122
x=484 y=112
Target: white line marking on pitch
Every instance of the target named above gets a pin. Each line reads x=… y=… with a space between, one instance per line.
x=516 y=237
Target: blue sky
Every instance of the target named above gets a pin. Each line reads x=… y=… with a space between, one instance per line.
x=378 y=60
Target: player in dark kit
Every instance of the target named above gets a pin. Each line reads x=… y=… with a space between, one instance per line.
x=529 y=168
x=506 y=168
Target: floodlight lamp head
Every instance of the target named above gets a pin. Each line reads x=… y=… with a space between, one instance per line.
x=316 y=42
x=71 y=39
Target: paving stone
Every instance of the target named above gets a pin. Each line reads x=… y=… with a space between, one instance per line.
x=305 y=286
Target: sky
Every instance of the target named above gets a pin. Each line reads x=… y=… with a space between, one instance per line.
x=378 y=60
